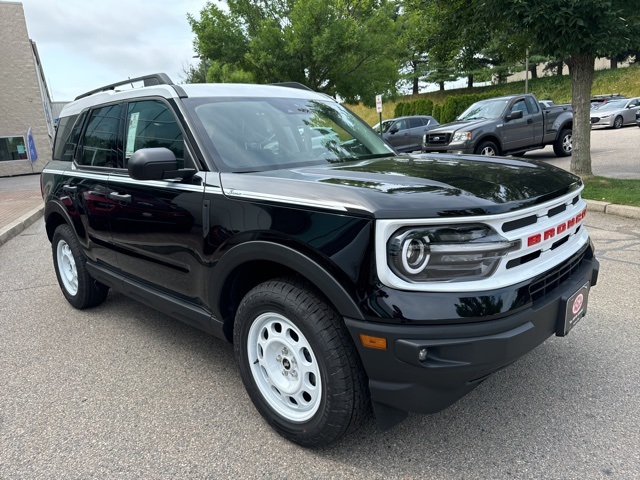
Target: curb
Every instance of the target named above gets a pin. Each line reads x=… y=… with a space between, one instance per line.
x=613 y=209
x=17 y=226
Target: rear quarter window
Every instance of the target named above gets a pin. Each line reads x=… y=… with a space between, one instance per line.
x=67 y=135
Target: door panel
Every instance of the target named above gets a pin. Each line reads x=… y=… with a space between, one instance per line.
x=518 y=133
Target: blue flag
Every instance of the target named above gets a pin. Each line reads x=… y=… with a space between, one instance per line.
x=33 y=154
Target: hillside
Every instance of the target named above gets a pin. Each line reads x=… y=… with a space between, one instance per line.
x=622 y=80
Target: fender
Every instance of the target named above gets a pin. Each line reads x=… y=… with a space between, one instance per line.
x=274 y=252
x=54 y=206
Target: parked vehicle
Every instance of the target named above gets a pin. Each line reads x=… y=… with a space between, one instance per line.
x=638 y=117
x=513 y=124
x=547 y=103
x=344 y=274
x=598 y=100
x=616 y=113
x=405 y=134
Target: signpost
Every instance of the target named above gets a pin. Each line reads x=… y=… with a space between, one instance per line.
x=379 y=110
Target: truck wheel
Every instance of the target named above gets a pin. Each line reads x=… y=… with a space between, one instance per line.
x=298 y=363
x=487 y=148
x=617 y=123
x=563 y=145
x=78 y=287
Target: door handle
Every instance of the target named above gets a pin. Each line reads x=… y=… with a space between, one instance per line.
x=120 y=197
x=70 y=188
x=530 y=121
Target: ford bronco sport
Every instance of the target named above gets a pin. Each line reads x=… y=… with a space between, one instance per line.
x=345 y=275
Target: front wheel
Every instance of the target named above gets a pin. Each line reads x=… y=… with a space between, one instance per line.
x=563 y=146
x=487 y=148
x=617 y=123
x=78 y=287
x=298 y=363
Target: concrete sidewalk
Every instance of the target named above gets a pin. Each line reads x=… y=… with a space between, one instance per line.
x=20 y=204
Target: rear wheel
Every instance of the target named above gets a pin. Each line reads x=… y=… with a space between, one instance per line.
x=617 y=123
x=487 y=148
x=78 y=287
x=298 y=363
x=563 y=146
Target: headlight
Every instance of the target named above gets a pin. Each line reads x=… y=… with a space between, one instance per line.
x=461 y=137
x=447 y=253
x=605 y=116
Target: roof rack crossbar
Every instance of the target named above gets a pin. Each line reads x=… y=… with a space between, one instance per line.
x=149 y=80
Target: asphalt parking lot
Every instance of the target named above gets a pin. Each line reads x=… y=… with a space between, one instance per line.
x=122 y=391
x=614 y=153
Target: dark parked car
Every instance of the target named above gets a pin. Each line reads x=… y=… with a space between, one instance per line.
x=405 y=134
x=598 y=100
x=348 y=277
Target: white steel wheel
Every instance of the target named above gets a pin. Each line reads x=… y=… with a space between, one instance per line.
x=67 y=267
x=284 y=367
x=298 y=363
x=79 y=288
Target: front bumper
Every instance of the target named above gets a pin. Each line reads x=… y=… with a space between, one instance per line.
x=459 y=356
x=602 y=122
x=455 y=149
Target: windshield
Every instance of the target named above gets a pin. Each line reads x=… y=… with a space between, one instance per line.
x=249 y=134
x=613 y=105
x=484 y=109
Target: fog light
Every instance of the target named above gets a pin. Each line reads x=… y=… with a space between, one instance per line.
x=422 y=354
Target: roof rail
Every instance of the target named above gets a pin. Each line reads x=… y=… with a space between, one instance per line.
x=149 y=80
x=299 y=85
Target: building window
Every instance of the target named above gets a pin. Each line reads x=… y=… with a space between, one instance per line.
x=13 y=148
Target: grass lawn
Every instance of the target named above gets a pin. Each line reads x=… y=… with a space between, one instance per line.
x=612 y=190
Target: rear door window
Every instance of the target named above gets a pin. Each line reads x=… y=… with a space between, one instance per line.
x=102 y=141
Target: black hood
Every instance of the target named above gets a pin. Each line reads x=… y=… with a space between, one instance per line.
x=420 y=186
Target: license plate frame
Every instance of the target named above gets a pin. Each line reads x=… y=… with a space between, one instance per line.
x=572 y=309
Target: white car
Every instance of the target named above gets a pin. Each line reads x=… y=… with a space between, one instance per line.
x=616 y=113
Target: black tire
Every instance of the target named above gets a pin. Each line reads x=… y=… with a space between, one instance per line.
x=285 y=326
x=617 y=123
x=78 y=287
x=563 y=146
x=487 y=148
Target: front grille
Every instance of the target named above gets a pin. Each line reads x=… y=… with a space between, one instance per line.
x=552 y=279
x=438 y=138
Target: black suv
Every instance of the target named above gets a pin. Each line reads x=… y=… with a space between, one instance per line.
x=345 y=275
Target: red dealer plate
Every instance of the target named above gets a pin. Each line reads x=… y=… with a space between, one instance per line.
x=575 y=308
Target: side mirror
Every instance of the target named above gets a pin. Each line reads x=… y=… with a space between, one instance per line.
x=516 y=114
x=393 y=130
x=156 y=164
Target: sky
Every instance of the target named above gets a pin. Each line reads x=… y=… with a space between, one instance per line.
x=86 y=44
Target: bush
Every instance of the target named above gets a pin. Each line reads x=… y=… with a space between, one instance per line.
x=437 y=113
x=397 y=111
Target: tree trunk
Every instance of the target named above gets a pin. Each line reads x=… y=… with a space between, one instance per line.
x=533 y=69
x=441 y=86
x=416 y=85
x=613 y=64
x=470 y=81
x=581 y=67
x=560 y=65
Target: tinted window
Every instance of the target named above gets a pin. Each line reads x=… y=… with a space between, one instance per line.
x=520 y=105
x=151 y=124
x=533 y=107
x=67 y=137
x=102 y=141
x=415 y=122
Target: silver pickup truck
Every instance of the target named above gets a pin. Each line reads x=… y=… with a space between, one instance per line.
x=510 y=125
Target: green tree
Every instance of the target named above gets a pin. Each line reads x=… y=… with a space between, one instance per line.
x=576 y=31
x=338 y=47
